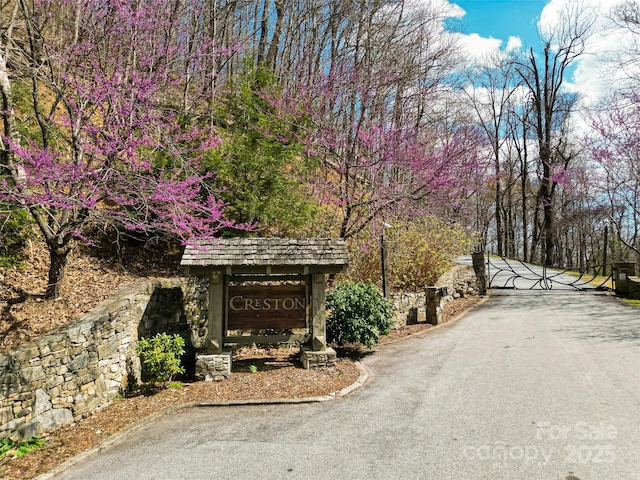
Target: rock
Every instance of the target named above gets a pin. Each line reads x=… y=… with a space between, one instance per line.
x=31 y=429
x=47 y=422
x=12 y=425
x=107 y=347
x=6 y=415
x=32 y=374
x=80 y=362
x=43 y=403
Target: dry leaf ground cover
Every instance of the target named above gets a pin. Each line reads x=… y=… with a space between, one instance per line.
x=25 y=314
x=278 y=373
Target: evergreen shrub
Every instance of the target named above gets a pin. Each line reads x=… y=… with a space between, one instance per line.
x=160 y=356
x=358 y=313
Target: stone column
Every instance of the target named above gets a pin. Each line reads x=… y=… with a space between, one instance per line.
x=317 y=354
x=481 y=272
x=621 y=273
x=214 y=363
x=434 y=305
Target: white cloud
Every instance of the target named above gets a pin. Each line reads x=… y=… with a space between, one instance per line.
x=479 y=50
x=514 y=44
x=594 y=73
x=550 y=16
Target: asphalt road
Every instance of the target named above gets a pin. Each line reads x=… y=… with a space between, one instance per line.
x=509 y=273
x=530 y=385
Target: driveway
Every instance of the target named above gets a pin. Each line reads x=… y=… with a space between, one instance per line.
x=529 y=385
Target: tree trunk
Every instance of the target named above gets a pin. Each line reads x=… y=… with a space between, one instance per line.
x=549 y=240
x=525 y=223
x=498 y=199
x=272 y=52
x=58 y=256
x=264 y=27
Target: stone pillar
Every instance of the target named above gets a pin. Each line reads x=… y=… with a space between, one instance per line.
x=214 y=363
x=481 y=272
x=434 y=305
x=311 y=359
x=213 y=367
x=412 y=316
x=317 y=354
x=621 y=273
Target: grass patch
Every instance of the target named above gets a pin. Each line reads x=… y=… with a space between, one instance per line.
x=595 y=280
x=631 y=301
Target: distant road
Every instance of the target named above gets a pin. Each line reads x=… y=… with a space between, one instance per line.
x=512 y=273
x=531 y=385
x=509 y=273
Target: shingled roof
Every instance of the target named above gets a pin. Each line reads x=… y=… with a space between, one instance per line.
x=252 y=254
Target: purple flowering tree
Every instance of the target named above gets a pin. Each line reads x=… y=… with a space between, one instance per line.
x=379 y=162
x=614 y=149
x=115 y=121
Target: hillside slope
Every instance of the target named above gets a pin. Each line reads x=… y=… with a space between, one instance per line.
x=25 y=314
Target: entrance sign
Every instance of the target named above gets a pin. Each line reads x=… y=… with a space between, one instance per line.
x=258 y=307
x=272 y=284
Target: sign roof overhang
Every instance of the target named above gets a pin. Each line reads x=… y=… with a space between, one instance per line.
x=266 y=256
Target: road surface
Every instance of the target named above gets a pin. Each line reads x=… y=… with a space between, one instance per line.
x=529 y=385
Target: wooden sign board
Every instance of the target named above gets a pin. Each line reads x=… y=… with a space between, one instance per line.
x=263 y=307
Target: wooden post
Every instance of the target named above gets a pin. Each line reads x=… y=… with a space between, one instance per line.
x=215 y=335
x=318 y=313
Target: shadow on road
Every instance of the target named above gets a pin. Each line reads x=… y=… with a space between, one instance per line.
x=599 y=317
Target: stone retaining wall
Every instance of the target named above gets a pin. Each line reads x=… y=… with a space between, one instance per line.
x=81 y=367
x=460 y=281
x=58 y=378
x=410 y=307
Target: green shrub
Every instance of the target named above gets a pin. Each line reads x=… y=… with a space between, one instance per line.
x=358 y=313
x=160 y=356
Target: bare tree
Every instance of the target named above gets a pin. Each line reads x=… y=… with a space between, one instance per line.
x=625 y=17
x=544 y=77
x=494 y=85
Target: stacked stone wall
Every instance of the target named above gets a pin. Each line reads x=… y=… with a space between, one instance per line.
x=460 y=281
x=410 y=307
x=83 y=366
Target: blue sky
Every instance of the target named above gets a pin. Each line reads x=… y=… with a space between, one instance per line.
x=488 y=27
x=502 y=19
